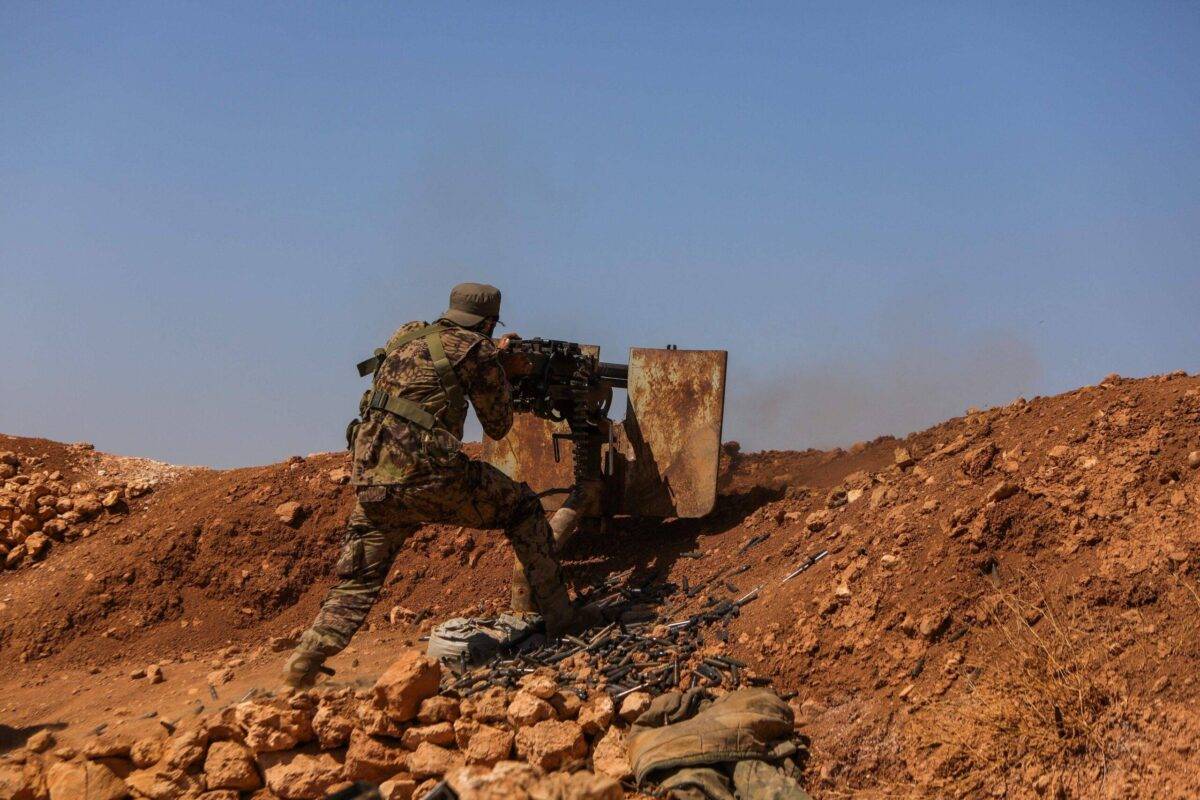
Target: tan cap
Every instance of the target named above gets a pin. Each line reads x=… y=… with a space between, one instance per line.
x=471 y=303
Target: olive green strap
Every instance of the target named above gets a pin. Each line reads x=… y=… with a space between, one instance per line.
x=404 y=408
x=370 y=365
x=445 y=371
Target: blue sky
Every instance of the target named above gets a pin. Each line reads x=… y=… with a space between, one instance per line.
x=885 y=212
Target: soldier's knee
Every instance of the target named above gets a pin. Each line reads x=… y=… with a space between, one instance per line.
x=360 y=558
x=528 y=505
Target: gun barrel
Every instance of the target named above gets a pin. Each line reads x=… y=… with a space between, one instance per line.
x=615 y=375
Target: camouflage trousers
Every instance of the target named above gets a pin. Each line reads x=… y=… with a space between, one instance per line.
x=471 y=493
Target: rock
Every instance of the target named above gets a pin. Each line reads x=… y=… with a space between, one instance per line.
x=300 y=776
x=1193 y=459
x=109 y=745
x=40 y=742
x=114 y=501
x=290 y=513
x=1059 y=451
x=610 y=756
x=36 y=545
x=230 y=765
x=146 y=752
x=438 y=733
x=526 y=709
x=438 y=709
x=491 y=705
x=1002 y=491
x=84 y=780
x=976 y=463
x=597 y=714
x=399 y=787
x=155 y=674
x=340 y=476
x=577 y=786
x=331 y=726
x=550 y=745
x=372 y=759
x=137 y=674
x=540 y=686
x=888 y=561
x=566 y=705
x=22 y=781
x=269 y=727
x=163 y=784
x=488 y=745
x=15 y=557
x=904 y=458
x=818 y=520
x=185 y=749
x=508 y=780
x=430 y=760
x=633 y=705
x=410 y=679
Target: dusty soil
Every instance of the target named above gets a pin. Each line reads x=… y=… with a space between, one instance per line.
x=1007 y=609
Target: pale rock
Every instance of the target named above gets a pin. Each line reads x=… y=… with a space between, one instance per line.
x=610 y=756
x=438 y=709
x=41 y=741
x=269 y=727
x=409 y=680
x=491 y=705
x=113 y=744
x=903 y=458
x=526 y=709
x=540 y=686
x=22 y=781
x=441 y=733
x=551 y=744
x=331 y=726
x=301 y=776
x=597 y=714
x=633 y=705
x=185 y=749
x=163 y=784
x=36 y=545
x=290 y=513
x=146 y=752
x=230 y=765
x=430 y=760
x=576 y=786
x=399 y=787
x=373 y=759
x=488 y=745
x=84 y=780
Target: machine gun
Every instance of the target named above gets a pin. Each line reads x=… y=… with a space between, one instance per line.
x=563 y=382
x=659 y=461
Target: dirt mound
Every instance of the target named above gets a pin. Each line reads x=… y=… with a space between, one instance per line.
x=1006 y=608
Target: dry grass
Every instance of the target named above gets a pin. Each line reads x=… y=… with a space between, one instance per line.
x=1040 y=717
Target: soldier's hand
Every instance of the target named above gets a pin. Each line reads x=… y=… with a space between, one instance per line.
x=506 y=340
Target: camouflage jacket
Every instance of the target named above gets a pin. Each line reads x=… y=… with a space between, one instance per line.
x=388 y=449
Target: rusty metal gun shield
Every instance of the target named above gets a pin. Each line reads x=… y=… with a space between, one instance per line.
x=670 y=440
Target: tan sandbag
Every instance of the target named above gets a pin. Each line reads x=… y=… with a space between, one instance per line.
x=746 y=724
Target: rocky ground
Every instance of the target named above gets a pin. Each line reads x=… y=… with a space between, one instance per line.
x=1007 y=609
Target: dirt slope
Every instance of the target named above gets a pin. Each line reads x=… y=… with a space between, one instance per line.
x=1007 y=609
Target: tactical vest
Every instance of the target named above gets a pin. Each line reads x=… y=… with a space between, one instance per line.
x=416 y=413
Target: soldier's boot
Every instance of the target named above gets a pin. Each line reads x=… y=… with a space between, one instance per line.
x=539 y=570
x=302 y=667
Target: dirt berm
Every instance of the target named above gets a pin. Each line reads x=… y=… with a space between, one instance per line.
x=1008 y=608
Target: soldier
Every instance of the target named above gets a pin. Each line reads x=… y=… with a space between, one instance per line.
x=409 y=469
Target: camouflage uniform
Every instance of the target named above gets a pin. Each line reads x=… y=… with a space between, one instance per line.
x=406 y=476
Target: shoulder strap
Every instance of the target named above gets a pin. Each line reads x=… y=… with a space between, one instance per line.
x=370 y=365
x=445 y=370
